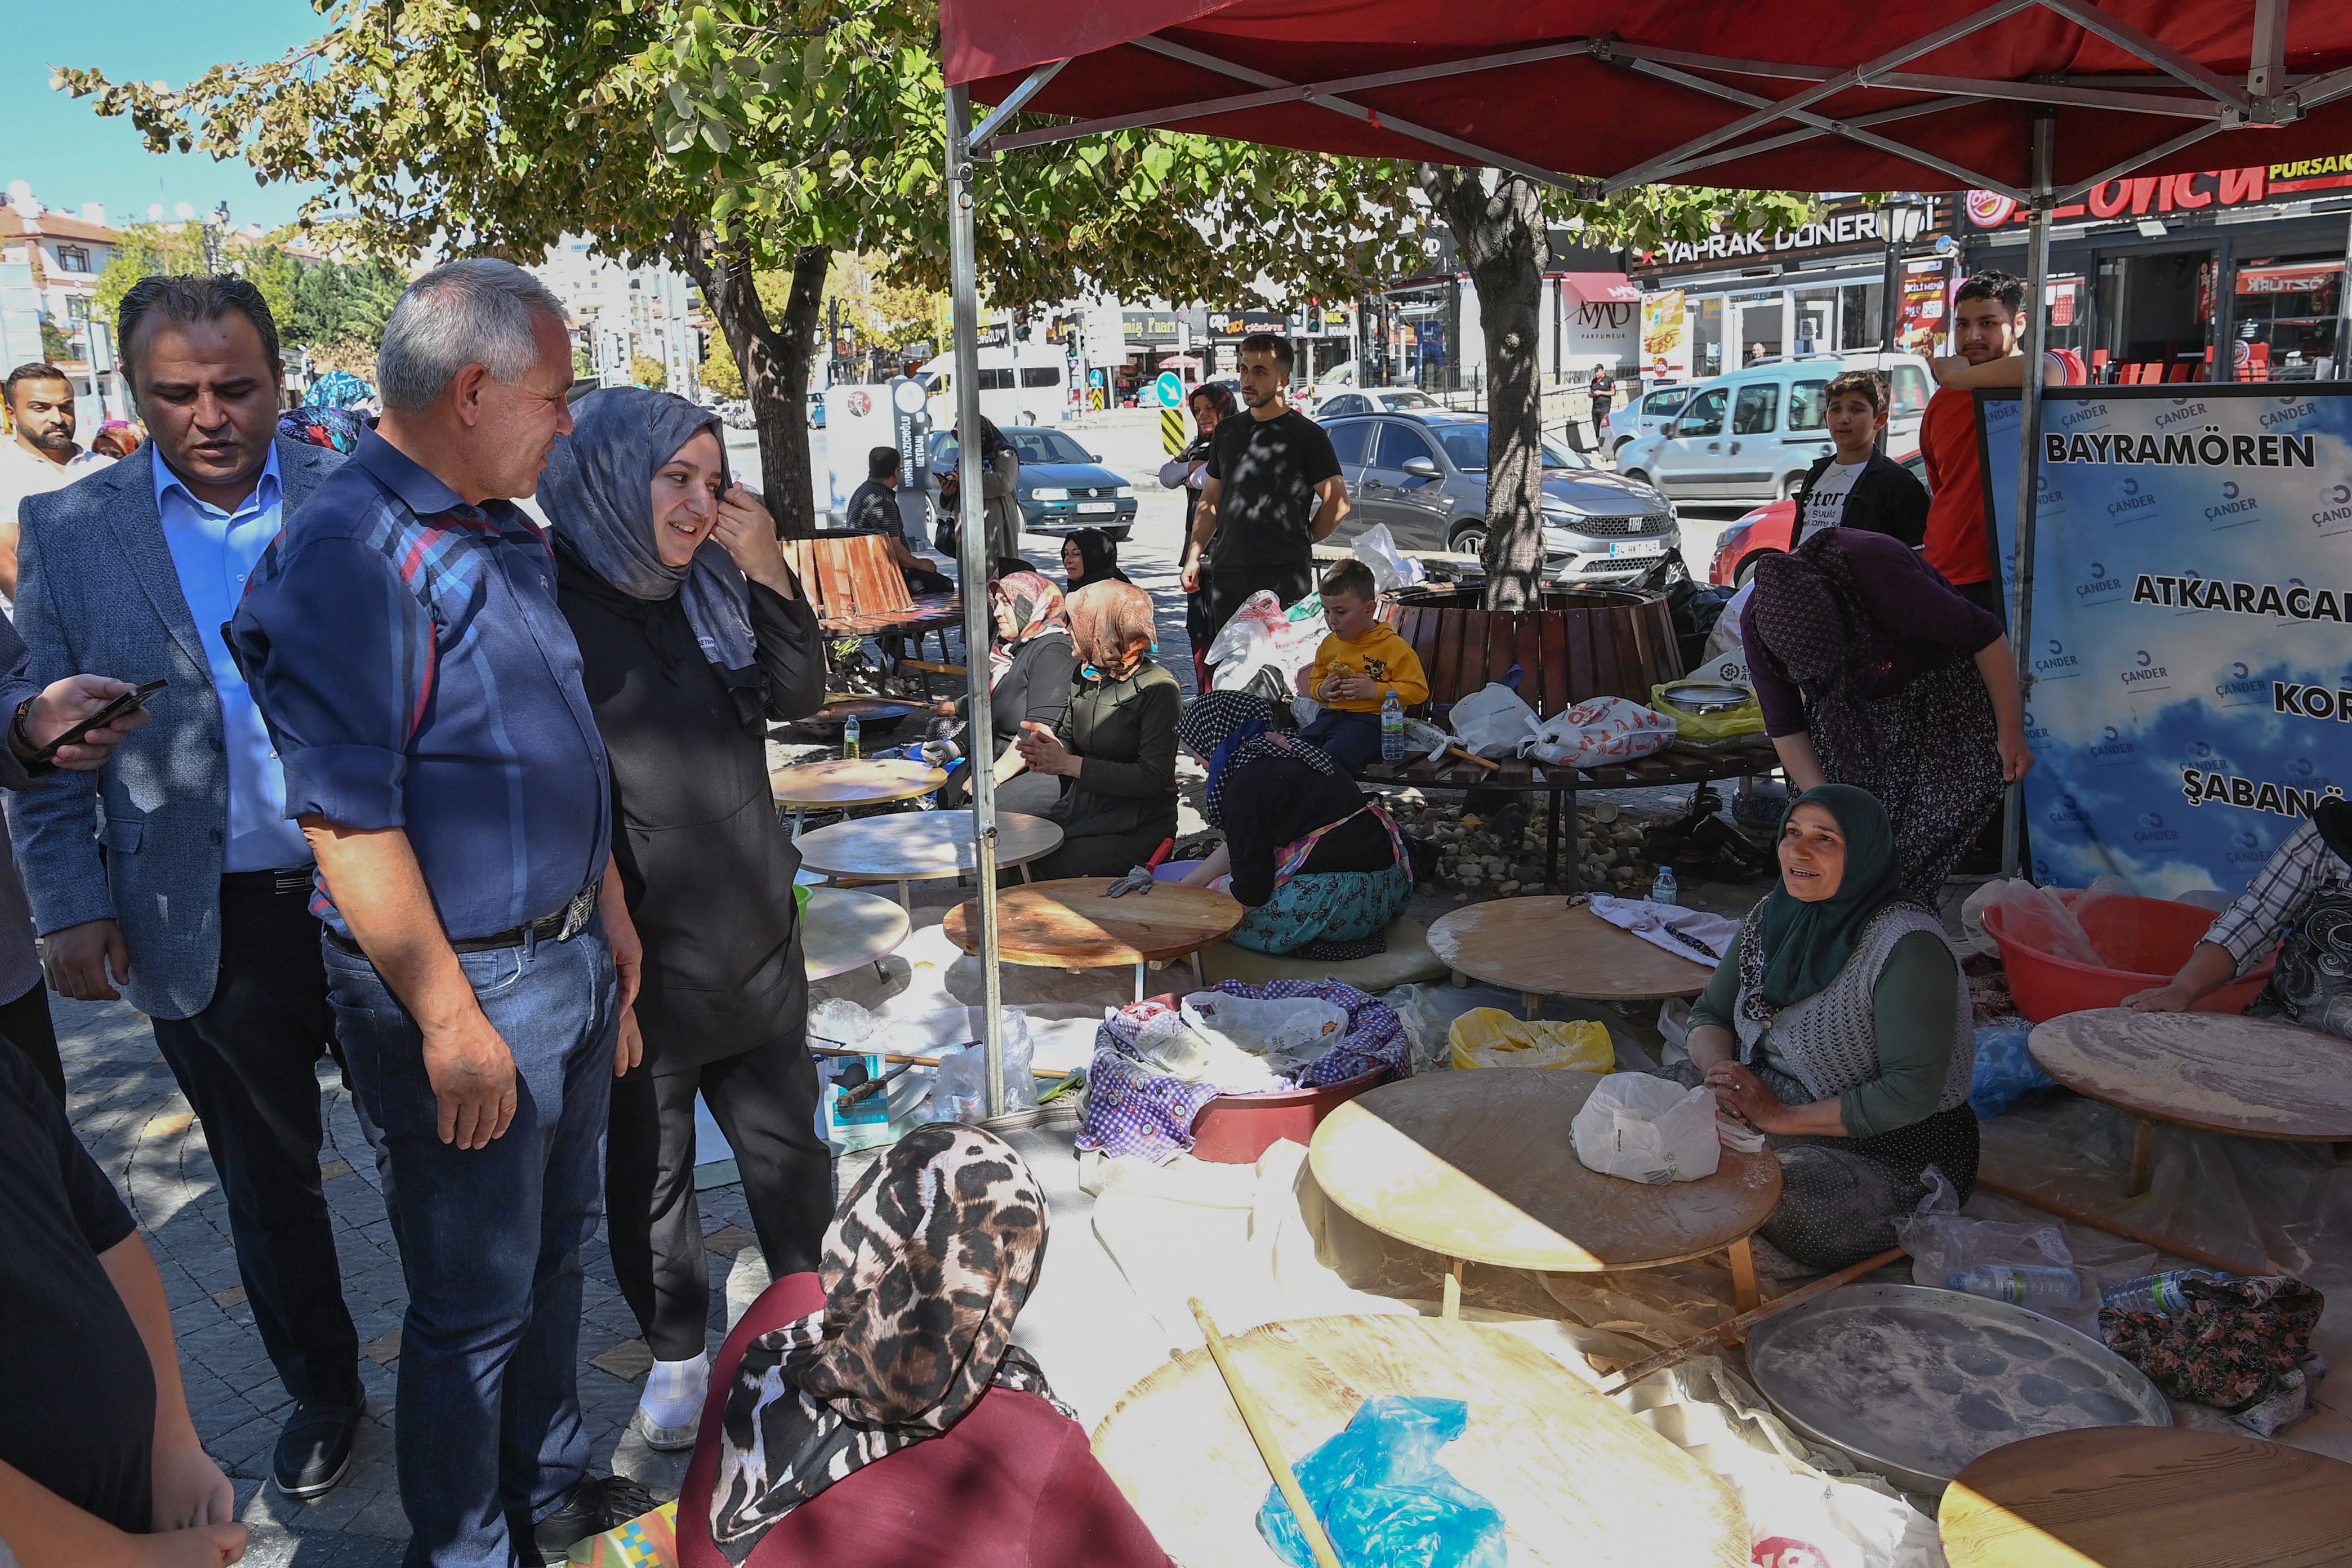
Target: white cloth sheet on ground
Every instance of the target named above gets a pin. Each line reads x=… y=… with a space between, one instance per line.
x=1665 y=925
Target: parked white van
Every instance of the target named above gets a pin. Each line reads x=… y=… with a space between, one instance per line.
x=1751 y=436
x=1035 y=391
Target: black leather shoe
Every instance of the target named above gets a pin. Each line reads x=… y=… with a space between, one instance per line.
x=314 y=1451
x=597 y=1505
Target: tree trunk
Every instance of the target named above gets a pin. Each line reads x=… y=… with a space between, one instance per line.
x=1502 y=239
x=774 y=357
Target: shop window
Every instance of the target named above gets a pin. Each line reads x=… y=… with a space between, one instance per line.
x=1809 y=404
x=1757 y=412
x=1704 y=415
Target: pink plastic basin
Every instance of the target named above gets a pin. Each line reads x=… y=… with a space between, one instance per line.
x=2152 y=936
x=1236 y=1129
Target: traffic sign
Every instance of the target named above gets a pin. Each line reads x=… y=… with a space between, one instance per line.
x=1170 y=387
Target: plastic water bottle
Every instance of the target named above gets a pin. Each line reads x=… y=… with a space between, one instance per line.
x=2020 y=1284
x=1391 y=729
x=2157 y=1292
x=849 y=740
x=1664 y=890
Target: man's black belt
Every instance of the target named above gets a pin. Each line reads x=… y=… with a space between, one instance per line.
x=561 y=926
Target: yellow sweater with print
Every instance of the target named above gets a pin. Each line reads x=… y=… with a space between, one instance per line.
x=1381 y=654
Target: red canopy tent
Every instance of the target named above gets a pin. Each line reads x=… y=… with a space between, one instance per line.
x=2036 y=100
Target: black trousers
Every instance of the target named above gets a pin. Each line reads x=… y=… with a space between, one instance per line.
x=765 y=1101
x=1985 y=596
x=248 y=1064
x=1227 y=592
x=24 y=1024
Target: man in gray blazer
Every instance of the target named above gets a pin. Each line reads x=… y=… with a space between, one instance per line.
x=174 y=873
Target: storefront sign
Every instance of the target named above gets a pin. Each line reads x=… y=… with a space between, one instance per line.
x=2192 y=626
x=2123 y=200
x=1149 y=326
x=1233 y=325
x=1855 y=226
x=1665 y=336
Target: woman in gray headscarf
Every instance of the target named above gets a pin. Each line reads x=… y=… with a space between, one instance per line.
x=692 y=635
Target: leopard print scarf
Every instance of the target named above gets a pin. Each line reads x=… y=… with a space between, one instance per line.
x=927 y=1266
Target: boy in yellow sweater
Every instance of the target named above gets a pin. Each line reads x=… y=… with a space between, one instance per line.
x=1359 y=663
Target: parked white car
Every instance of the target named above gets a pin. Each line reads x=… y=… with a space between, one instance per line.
x=1751 y=436
x=1646 y=415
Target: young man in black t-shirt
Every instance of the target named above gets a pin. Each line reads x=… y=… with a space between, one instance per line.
x=99 y=1461
x=1274 y=493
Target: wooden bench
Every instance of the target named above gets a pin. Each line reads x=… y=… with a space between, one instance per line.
x=1580 y=644
x=856 y=588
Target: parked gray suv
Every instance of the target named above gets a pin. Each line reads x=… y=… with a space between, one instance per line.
x=1424 y=474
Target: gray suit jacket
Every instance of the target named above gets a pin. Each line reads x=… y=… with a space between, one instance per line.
x=97 y=594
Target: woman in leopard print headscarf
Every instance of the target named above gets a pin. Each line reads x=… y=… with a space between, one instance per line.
x=927 y=1266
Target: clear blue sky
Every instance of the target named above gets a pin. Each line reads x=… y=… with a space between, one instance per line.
x=60 y=146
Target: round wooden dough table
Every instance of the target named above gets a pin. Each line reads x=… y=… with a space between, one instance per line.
x=1577 y=1481
x=1478 y=1166
x=1558 y=947
x=837 y=786
x=920 y=847
x=2218 y=1071
x=841 y=930
x=1068 y=924
x=2146 y=1497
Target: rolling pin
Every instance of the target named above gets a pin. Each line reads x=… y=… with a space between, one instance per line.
x=1737 y=1327
x=1268 y=1448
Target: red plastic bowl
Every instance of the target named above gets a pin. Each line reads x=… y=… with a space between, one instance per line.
x=1236 y=1129
x=2153 y=936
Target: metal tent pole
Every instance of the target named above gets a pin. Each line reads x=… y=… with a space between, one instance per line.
x=2029 y=458
x=974 y=569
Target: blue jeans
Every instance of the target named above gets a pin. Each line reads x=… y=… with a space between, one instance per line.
x=489 y=1433
x=1351 y=740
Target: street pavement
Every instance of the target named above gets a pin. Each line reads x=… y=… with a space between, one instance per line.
x=131 y=1114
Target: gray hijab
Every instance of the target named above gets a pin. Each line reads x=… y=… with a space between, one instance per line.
x=598 y=493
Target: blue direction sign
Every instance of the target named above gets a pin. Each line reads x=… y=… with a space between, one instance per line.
x=1170 y=387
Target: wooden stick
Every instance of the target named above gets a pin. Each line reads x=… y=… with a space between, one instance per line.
x=932 y=667
x=2130 y=1232
x=1262 y=1434
x=1737 y=1327
x=918 y=1061
x=1491 y=766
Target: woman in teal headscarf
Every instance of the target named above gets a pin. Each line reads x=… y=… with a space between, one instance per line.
x=1839 y=1028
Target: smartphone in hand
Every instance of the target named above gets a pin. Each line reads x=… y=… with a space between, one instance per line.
x=75 y=736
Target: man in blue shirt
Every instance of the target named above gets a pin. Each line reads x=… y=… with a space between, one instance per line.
x=174 y=873
x=404 y=642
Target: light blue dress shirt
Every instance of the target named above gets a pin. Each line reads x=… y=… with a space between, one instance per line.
x=214 y=552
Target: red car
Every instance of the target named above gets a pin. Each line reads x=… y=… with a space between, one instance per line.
x=1766 y=532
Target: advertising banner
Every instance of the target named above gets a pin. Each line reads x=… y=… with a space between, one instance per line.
x=2192 y=585
x=1925 y=311
x=1665 y=336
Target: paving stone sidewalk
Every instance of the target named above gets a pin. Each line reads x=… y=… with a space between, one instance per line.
x=130 y=1115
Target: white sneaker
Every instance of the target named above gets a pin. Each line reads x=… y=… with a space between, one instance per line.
x=669 y=1412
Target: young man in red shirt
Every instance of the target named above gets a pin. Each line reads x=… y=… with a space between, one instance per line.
x=1988 y=319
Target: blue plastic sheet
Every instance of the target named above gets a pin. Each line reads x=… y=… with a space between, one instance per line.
x=2006 y=1071
x=1384 y=1499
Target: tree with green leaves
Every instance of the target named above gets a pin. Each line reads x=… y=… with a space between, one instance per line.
x=647 y=372
x=736 y=139
x=1500 y=222
x=720 y=374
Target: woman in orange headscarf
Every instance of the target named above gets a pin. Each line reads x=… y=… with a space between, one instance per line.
x=1114 y=750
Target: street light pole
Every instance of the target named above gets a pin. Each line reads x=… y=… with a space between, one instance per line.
x=2028 y=460
x=1894 y=215
x=971 y=570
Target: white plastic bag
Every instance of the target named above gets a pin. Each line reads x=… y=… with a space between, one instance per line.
x=1605 y=730
x=1265 y=647
x=1377 y=549
x=1942 y=1244
x=1648 y=1130
x=1493 y=720
x=1286 y=1033
x=963 y=1092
